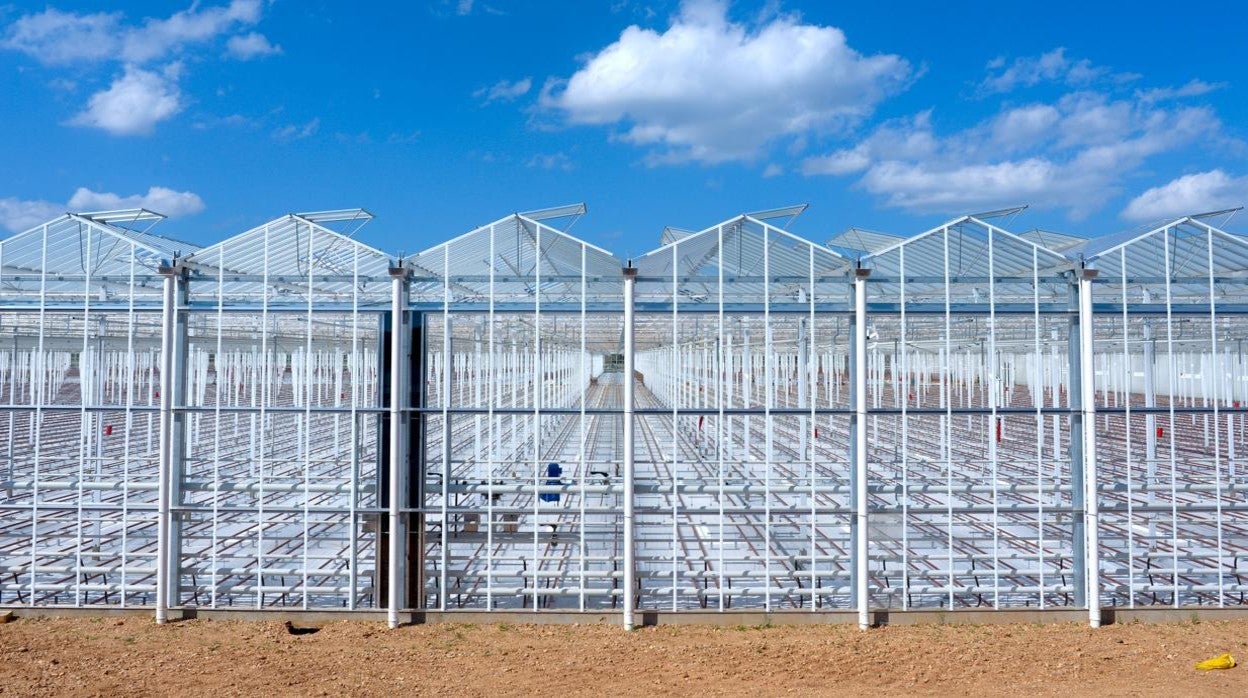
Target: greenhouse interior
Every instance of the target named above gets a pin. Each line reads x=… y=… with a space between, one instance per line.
x=741 y=420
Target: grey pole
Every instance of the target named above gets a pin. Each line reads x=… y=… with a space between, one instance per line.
x=400 y=335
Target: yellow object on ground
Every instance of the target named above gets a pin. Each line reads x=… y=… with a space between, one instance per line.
x=1225 y=661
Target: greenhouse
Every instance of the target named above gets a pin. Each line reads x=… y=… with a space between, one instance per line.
x=516 y=420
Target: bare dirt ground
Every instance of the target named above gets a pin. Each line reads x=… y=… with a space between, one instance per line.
x=133 y=656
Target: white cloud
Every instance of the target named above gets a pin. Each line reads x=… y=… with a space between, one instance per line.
x=773 y=170
x=463 y=7
x=229 y=121
x=900 y=139
x=141 y=98
x=1073 y=154
x=504 y=91
x=1053 y=66
x=55 y=37
x=248 y=46
x=1189 y=194
x=133 y=104
x=18 y=214
x=1018 y=128
x=553 y=161
x=1193 y=88
x=915 y=186
x=841 y=162
x=159 y=37
x=294 y=132
x=711 y=90
x=159 y=199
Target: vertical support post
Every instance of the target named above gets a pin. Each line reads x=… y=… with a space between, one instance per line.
x=1074 y=445
x=858 y=373
x=630 y=572
x=448 y=379
x=804 y=328
x=400 y=339
x=1087 y=400
x=1150 y=401
x=179 y=420
x=172 y=345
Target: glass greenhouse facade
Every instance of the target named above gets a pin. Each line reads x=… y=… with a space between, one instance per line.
x=517 y=420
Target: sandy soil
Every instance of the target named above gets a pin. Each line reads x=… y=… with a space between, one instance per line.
x=108 y=656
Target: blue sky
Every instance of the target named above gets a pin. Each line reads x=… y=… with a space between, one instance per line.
x=439 y=116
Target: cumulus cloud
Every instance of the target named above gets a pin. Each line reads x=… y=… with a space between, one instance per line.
x=133 y=104
x=504 y=91
x=841 y=162
x=21 y=214
x=141 y=97
x=1073 y=154
x=159 y=199
x=964 y=187
x=1187 y=195
x=712 y=90
x=248 y=46
x=1022 y=126
x=17 y=214
x=911 y=138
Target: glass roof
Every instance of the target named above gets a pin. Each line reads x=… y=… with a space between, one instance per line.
x=967 y=261
x=513 y=258
x=87 y=254
x=289 y=259
x=527 y=260
x=755 y=261
x=1184 y=258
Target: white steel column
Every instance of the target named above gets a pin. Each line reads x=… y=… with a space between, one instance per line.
x=1091 y=508
x=630 y=572
x=400 y=335
x=862 y=596
x=1150 y=402
x=447 y=378
x=166 y=564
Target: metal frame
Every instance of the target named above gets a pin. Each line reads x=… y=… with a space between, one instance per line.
x=741 y=419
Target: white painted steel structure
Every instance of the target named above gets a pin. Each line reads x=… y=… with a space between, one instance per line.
x=516 y=419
